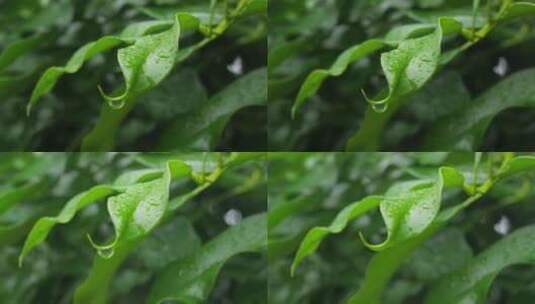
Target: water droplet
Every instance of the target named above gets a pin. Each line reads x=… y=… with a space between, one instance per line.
x=502 y=67
x=236 y=67
x=503 y=226
x=232 y=217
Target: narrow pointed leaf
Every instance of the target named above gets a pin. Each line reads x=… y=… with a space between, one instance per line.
x=189 y=280
x=519 y=9
x=465 y=129
x=43 y=226
x=314 y=81
x=19 y=48
x=12 y=196
x=471 y=283
x=199 y=129
x=47 y=82
x=314 y=237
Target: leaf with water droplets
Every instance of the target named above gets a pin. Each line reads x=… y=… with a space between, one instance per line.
x=201 y=128
x=146 y=63
x=413 y=62
x=471 y=283
x=315 y=79
x=190 y=280
x=136 y=211
x=465 y=129
x=408 y=208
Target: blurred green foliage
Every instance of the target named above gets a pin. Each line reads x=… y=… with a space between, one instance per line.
x=55 y=269
x=308 y=34
x=309 y=189
x=39 y=34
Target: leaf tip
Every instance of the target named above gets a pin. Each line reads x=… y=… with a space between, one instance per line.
x=21 y=260
x=29 y=109
x=105 y=251
x=115 y=102
x=374 y=247
x=295 y=107
x=379 y=106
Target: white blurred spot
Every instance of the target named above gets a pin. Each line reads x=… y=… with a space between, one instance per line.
x=503 y=226
x=232 y=217
x=502 y=67
x=236 y=67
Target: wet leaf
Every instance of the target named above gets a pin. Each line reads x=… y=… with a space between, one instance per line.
x=465 y=129
x=190 y=280
x=201 y=128
x=146 y=63
x=408 y=208
x=471 y=283
x=413 y=62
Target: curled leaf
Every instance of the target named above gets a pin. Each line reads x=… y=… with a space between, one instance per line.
x=412 y=63
x=146 y=63
x=408 y=208
x=136 y=211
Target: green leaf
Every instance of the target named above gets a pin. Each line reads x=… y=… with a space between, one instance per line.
x=47 y=82
x=191 y=279
x=413 y=62
x=448 y=250
x=471 y=283
x=384 y=264
x=519 y=164
x=313 y=238
x=202 y=128
x=316 y=78
x=146 y=56
x=253 y=7
x=43 y=226
x=94 y=290
x=136 y=211
x=465 y=129
x=382 y=267
x=146 y=63
x=11 y=196
x=408 y=208
x=19 y=48
x=519 y=9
